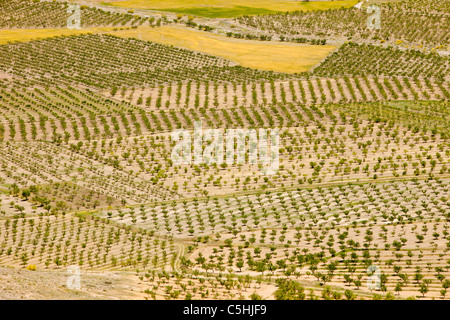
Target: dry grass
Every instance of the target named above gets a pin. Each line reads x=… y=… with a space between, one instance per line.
x=274 y=56
x=23 y=35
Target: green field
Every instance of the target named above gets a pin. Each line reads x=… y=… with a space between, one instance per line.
x=215 y=12
x=230 y=9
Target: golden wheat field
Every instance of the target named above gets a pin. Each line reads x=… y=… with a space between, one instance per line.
x=23 y=35
x=273 y=56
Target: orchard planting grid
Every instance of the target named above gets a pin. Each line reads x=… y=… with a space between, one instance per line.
x=87 y=178
x=50 y=14
x=411 y=23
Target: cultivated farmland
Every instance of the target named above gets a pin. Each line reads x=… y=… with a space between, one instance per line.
x=88 y=176
x=224 y=9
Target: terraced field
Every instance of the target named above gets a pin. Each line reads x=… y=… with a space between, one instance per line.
x=88 y=178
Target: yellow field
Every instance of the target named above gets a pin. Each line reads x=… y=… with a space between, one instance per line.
x=274 y=56
x=264 y=55
x=23 y=35
x=276 y=5
x=229 y=8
